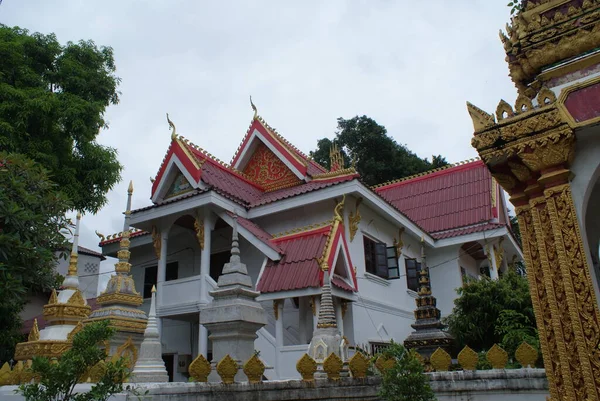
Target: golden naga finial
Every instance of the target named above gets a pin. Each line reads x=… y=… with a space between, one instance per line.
x=172 y=126
x=337 y=212
x=481 y=119
x=101 y=236
x=130 y=188
x=253 y=108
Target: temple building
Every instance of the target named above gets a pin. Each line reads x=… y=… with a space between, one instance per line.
x=284 y=203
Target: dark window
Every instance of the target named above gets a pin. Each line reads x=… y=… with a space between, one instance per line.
x=392 y=262
x=217 y=260
x=150 y=275
x=375 y=257
x=412 y=274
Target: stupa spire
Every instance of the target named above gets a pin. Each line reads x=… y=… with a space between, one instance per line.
x=71 y=280
x=326 y=311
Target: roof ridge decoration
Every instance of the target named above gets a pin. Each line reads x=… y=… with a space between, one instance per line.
x=174 y=130
x=424 y=173
x=303 y=229
x=337 y=220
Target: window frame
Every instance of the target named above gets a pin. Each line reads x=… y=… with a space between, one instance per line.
x=375 y=253
x=410 y=279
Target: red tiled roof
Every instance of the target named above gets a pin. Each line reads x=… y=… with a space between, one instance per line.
x=28 y=324
x=468 y=230
x=298 y=268
x=258 y=232
x=456 y=197
x=116 y=238
x=86 y=251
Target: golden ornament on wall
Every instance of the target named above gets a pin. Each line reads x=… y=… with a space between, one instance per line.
x=359 y=365
x=497 y=357
x=199 y=229
x=34 y=333
x=526 y=355
x=398 y=243
x=227 y=368
x=333 y=365
x=96 y=372
x=384 y=363
x=440 y=360
x=307 y=367
x=5 y=374
x=354 y=220
x=156 y=241
x=254 y=369
x=200 y=369
x=129 y=352
x=467 y=358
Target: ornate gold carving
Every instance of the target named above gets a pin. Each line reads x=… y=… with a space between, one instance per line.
x=96 y=372
x=523 y=104
x=75 y=330
x=504 y=107
x=398 y=243
x=199 y=229
x=128 y=351
x=520 y=171
x=545 y=97
x=254 y=369
x=354 y=220
x=384 y=363
x=550 y=154
x=307 y=367
x=45 y=348
x=173 y=129
x=497 y=357
x=481 y=119
x=580 y=296
x=526 y=355
x=227 y=368
x=5 y=374
x=53 y=298
x=128 y=299
x=440 y=360
x=499 y=253
x=76 y=299
x=359 y=365
x=66 y=312
x=156 y=241
x=333 y=365
x=34 y=333
x=506 y=181
x=344 y=307
x=200 y=369
x=467 y=358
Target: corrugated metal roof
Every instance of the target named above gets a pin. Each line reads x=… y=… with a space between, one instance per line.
x=298 y=268
x=448 y=199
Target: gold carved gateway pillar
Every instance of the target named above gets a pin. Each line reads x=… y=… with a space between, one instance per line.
x=529 y=152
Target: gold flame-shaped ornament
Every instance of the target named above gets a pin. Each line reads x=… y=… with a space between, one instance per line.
x=307 y=367
x=333 y=365
x=227 y=368
x=358 y=365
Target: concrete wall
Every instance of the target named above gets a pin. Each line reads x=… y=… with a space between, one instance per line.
x=492 y=385
x=445 y=276
x=88 y=267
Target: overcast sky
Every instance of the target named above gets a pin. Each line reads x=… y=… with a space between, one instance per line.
x=410 y=65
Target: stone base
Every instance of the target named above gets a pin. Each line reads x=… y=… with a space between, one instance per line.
x=149 y=377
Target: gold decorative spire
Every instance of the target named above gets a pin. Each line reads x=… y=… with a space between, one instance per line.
x=34 y=334
x=130 y=188
x=335 y=158
x=253 y=108
x=172 y=126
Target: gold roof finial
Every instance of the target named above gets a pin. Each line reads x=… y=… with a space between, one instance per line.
x=335 y=157
x=130 y=188
x=172 y=126
x=338 y=210
x=253 y=108
x=154 y=288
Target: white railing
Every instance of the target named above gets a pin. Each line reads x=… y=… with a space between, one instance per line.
x=179 y=296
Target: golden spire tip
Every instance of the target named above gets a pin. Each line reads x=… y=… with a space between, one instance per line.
x=153 y=288
x=78 y=215
x=130 y=189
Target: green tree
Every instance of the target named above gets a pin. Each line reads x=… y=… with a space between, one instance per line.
x=32 y=217
x=405 y=381
x=489 y=312
x=52 y=104
x=57 y=380
x=378 y=157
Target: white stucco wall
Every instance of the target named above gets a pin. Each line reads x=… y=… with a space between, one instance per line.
x=88 y=267
x=445 y=276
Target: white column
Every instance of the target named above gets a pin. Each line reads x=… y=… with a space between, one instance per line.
x=161 y=274
x=205 y=257
x=317 y=306
x=279 y=323
x=203 y=341
x=492 y=260
x=338 y=315
x=204 y=273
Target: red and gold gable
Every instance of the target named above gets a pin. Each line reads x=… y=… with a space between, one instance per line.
x=268 y=171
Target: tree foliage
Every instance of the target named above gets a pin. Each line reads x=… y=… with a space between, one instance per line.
x=52 y=104
x=56 y=381
x=489 y=312
x=378 y=157
x=405 y=381
x=32 y=216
